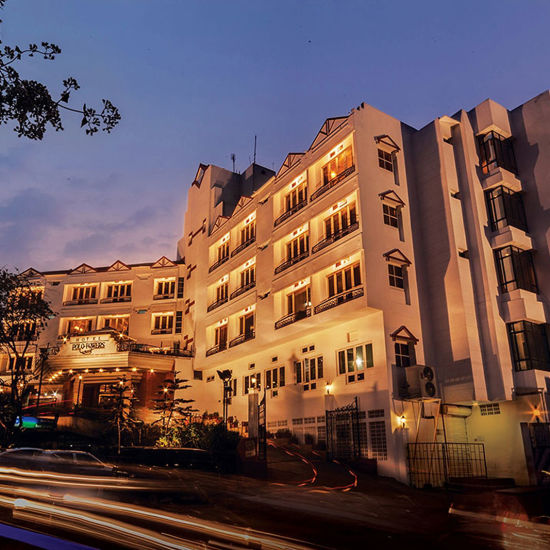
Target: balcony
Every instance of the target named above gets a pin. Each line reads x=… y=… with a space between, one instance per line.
x=154 y=350
x=244 y=245
x=83 y=301
x=216 y=349
x=331 y=183
x=169 y=296
x=291 y=262
x=162 y=331
x=285 y=215
x=293 y=317
x=116 y=299
x=242 y=338
x=335 y=237
x=338 y=299
x=242 y=290
x=496 y=151
x=216 y=304
x=218 y=263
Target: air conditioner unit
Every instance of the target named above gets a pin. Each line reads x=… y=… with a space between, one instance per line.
x=420 y=381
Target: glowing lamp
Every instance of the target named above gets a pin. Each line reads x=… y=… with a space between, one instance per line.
x=402 y=421
x=328 y=388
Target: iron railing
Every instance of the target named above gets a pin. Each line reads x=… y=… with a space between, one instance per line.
x=290 y=262
x=434 y=464
x=217 y=303
x=167 y=296
x=114 y=299
x=244 y=245
x=331 y=183
x=216 y=349
x=162 y=331
x=218 y=263
x=293 y=317
x=338 y=299
x=242 y=338
x=134 y=347
x=81 y=302
x=290 y=212
x=335 y=237
x=242 y=290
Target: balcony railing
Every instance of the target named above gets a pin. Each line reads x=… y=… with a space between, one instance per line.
x=217 y=303
x=117 y=299
x=290 y=212
x=162 y=331
x=242 y=338
x=134 y=347
x=338 y=299
x=334 y=181
x=244 y=245
x=335 y=237
x=291 y=262
x=83 y=301
x=216 y=349
x=168 y=296
x=242 y=290
x=293 y=317
x=218 y=263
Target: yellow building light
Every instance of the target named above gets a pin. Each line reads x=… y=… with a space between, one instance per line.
x=402 y=421
x=224 y=239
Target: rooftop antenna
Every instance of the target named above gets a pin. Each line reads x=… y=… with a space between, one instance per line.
x=233 y=157
x=255 y=140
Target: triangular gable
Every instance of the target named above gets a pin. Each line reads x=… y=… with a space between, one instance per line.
x=395 y=255
x=163 y=262
x=83 y=268
x=403 y=333
x=220 y=220
x=391 y=197
x=200 y=174
x=290 y=160
x=329 y=126
x=245 y=199
x=388 y=141
x=31 y=273
x=118 y=266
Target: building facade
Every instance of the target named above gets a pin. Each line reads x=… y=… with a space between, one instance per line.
x=386 y=291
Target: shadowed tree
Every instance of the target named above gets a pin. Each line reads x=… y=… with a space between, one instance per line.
x=121 y=418
x=30 y=105
x=23 y=314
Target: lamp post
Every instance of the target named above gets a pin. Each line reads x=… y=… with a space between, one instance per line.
x=225 y=377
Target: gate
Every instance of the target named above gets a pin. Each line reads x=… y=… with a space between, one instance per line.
x=262 y=431
x=434 y=464
x=343 y=434
x=536 y=438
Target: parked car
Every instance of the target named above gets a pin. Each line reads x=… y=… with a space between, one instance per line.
x=178 y=457
x=22 y=457
x=78 y=462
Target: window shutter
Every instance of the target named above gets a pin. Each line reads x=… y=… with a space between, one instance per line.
x=180 y=286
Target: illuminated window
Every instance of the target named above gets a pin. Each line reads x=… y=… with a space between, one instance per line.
x=298 y=246
x=163 y=323
x=246 y=324
x=308 y=372
x=391 y=215
x=252 y=382
x=344 y=279
x=79 y=326
x=118 y=323
x=248 y=276
x=275 y=378
x=340 y=221
x=396 y=276
x=297 y=196
x=220 y=337
x=223 y=251
x=354 y=360
x=23 y=363
x=337 y=166
x=298 y=301
x=248 y=232
x=119 y=292
x=385 y=160
x=84 y=294
x=221 y=291
x=165 y=288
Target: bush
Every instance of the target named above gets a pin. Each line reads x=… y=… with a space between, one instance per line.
x=309 y=439
x=283 y=433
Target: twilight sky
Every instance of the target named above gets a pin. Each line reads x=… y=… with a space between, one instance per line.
x=195 y=80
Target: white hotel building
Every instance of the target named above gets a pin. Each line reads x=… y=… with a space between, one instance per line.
x=401 y=273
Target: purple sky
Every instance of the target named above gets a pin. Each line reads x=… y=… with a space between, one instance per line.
x=195 y=80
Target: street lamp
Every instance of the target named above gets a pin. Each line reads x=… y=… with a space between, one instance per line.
x=225 y=376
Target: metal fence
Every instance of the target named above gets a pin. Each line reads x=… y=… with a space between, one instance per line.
x=434 y=464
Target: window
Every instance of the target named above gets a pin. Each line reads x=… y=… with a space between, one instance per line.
x=378 y=445
x=248 y=276
x=354 y=360
x=163 y=323
x=391 y=215
x=179 y=324
x=248 y=232
x=246 y=324
x=223 y=251
x=220 y=337
x=181 y=284
x=404 y=354
x=221 y=292
x=165 y=288
x=308 y=372
x=118 y=323
x=23 y=363
x=24 y=331
x=340 y=221
x=515 y=269
x=494 y=151
x=252 y=382
x=385 y=160
x=489 y=409
x=396 y=276
x=84 y=294
x=299 y=301
x=529 y=345
x=275 y=378
x=298 y=246
x=79 y=326
x=119 y=292
x=297 y=196
x=344 y=279
x=505 y=208
x=338 y=165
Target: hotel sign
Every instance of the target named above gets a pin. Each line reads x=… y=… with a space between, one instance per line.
x=87 y=347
